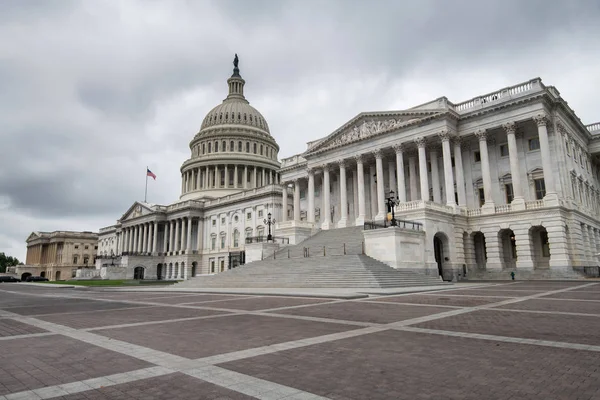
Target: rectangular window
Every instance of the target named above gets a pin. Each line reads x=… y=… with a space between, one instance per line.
x=75 y=260
x=214 y=222
x=303 y=194
x=222 y=261
x=86 y=247
x=223 y=241
x=481 y=197
x=503 y=150
x=249 y=215
x=212 y=265
x=213 y=243
x=222 y=220
x=508 y=188
x=534 y=144
x=76 y=246
x=260 y=213
x=540 y=188
x=477 y=156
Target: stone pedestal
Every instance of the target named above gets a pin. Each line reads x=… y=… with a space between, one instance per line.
x=295 y=231
x=259 y=251
x=397 y=247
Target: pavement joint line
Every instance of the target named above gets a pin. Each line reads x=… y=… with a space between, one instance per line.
x=555 y=299
x=215 y=301
x=90 y=311
x=468 y=295
x=163 y=359
x=98 y=328
x=508 y=339
x=27 y=336
x=411 y=304
x=547 y=312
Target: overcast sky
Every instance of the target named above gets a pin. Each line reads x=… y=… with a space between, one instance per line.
x=93 y=91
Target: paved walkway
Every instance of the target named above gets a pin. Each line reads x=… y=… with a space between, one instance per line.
x=501 y=340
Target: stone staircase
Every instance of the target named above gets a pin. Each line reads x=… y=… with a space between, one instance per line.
x=326 y=267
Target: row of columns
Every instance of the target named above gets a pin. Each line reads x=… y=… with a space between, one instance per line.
x=451 y=177
x=143 y=238
x=209 y=177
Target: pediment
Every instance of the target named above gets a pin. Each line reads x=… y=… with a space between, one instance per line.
x=138 y=209
x=33 y=236
x=367 y=125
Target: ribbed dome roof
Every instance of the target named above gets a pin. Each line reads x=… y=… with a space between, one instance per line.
x=235 y=109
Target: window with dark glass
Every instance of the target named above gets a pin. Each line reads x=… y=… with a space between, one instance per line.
x=540 y=188
x=240 y=146
x=477 y=156
x=209 y=147
x=481 y=197
x=231 y=146
x=254 y=148
x=216 y=147
x=503 y=150
x=247 y=147
x=534 y=144
x=508 y=188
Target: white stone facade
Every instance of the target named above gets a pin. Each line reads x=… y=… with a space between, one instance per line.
x=507 y=181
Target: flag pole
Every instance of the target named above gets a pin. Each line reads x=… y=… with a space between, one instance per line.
x=146 y=190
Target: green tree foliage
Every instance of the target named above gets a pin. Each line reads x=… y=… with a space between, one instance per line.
x=7 y=261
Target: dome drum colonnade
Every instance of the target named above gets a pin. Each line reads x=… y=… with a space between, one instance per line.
x=233 y=150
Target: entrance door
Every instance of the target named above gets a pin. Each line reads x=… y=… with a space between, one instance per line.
x=57 y=276
x=159 y=272
x=438 y=249
x=138 y=273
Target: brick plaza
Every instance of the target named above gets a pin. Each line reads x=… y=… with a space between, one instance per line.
x=502 y=340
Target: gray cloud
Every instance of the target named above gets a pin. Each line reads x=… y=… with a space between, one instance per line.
x=92 y=92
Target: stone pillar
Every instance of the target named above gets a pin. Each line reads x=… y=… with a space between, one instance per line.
x=172 y=236
x=488 y=206
x=343 y=222
x=226 y=172
x=412 y=177
x=326 y=210
x=198 y=178
x=144 y=238
x=400 y=173
x=518 y=202
x=551 y=195
x=435 y=175
x=245 y=183
x=559 y=251
x=284 y=203
x=130 y=241
x=135 y=238
x=354 y=195
x=165 y=237
x=155 y=236
x=188 y=248
x=206 y=173
x=380 y=185
x=492 y=249
x=177 y=245
x=360 y=175
x=297 y=200
x=254 y=181
x=460 y=178
x=448 y=176
x=182 y=183
x=310 y=212
x=262 y=183
x=199 y=237
x=373 y=190
x=392 y=174
x=524 y=247
x=420 y=141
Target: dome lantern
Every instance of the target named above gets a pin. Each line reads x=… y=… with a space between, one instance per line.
x=236 y=83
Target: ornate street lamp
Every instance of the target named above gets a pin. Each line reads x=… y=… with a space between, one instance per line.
x=269 y=222
x=112 y=258
x=392 y=201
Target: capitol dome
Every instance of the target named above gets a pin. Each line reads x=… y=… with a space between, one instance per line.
x=233 y=150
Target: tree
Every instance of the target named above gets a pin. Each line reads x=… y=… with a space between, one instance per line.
x=7 y=261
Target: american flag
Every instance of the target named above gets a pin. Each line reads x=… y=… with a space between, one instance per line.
x=150 y=173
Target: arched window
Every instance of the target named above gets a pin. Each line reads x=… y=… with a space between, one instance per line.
x=231 y=146
x=209 y=147
x=224 y=145
x=261 y=149
x=240 y=146
x=254 y=148
x=236 y=238
x=203 y=148
x=216 y=147
x=247 y=147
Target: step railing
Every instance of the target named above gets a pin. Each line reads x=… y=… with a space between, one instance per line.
x=344 y=249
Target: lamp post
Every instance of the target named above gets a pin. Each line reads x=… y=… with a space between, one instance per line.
x=112 y=258
x=392 y=201
x=269 y=222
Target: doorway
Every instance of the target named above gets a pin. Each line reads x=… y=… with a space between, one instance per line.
x=138 y=273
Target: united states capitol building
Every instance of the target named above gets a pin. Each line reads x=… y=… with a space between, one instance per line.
x=506 y=181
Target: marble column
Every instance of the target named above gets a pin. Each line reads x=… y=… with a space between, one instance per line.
x=420 y=141
x=262 y=183
x=326 y=209
x=392 y=174
x=297 y=200
x=284 y=203
x=460 y=178
x=399 y=148
x=177 y=246
x=135 y=238
x=310 y=212
x=380 y=185
x=199 y=237
x=354 y=195
x=165 y=237
x=172 y=236
x=343 y=222
x=245 y=183
x=255 y=180
x=198 y=178
x=188 y=248
x=448 y=176
x=518 y=201
x=412 y=177
x=144 y=238
x=541 y=120
x=435 y=175
x=488 y=205
x=360 y=177
x=226 y=177
x=235 y=177
x=373 y=190
x=206 y=174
